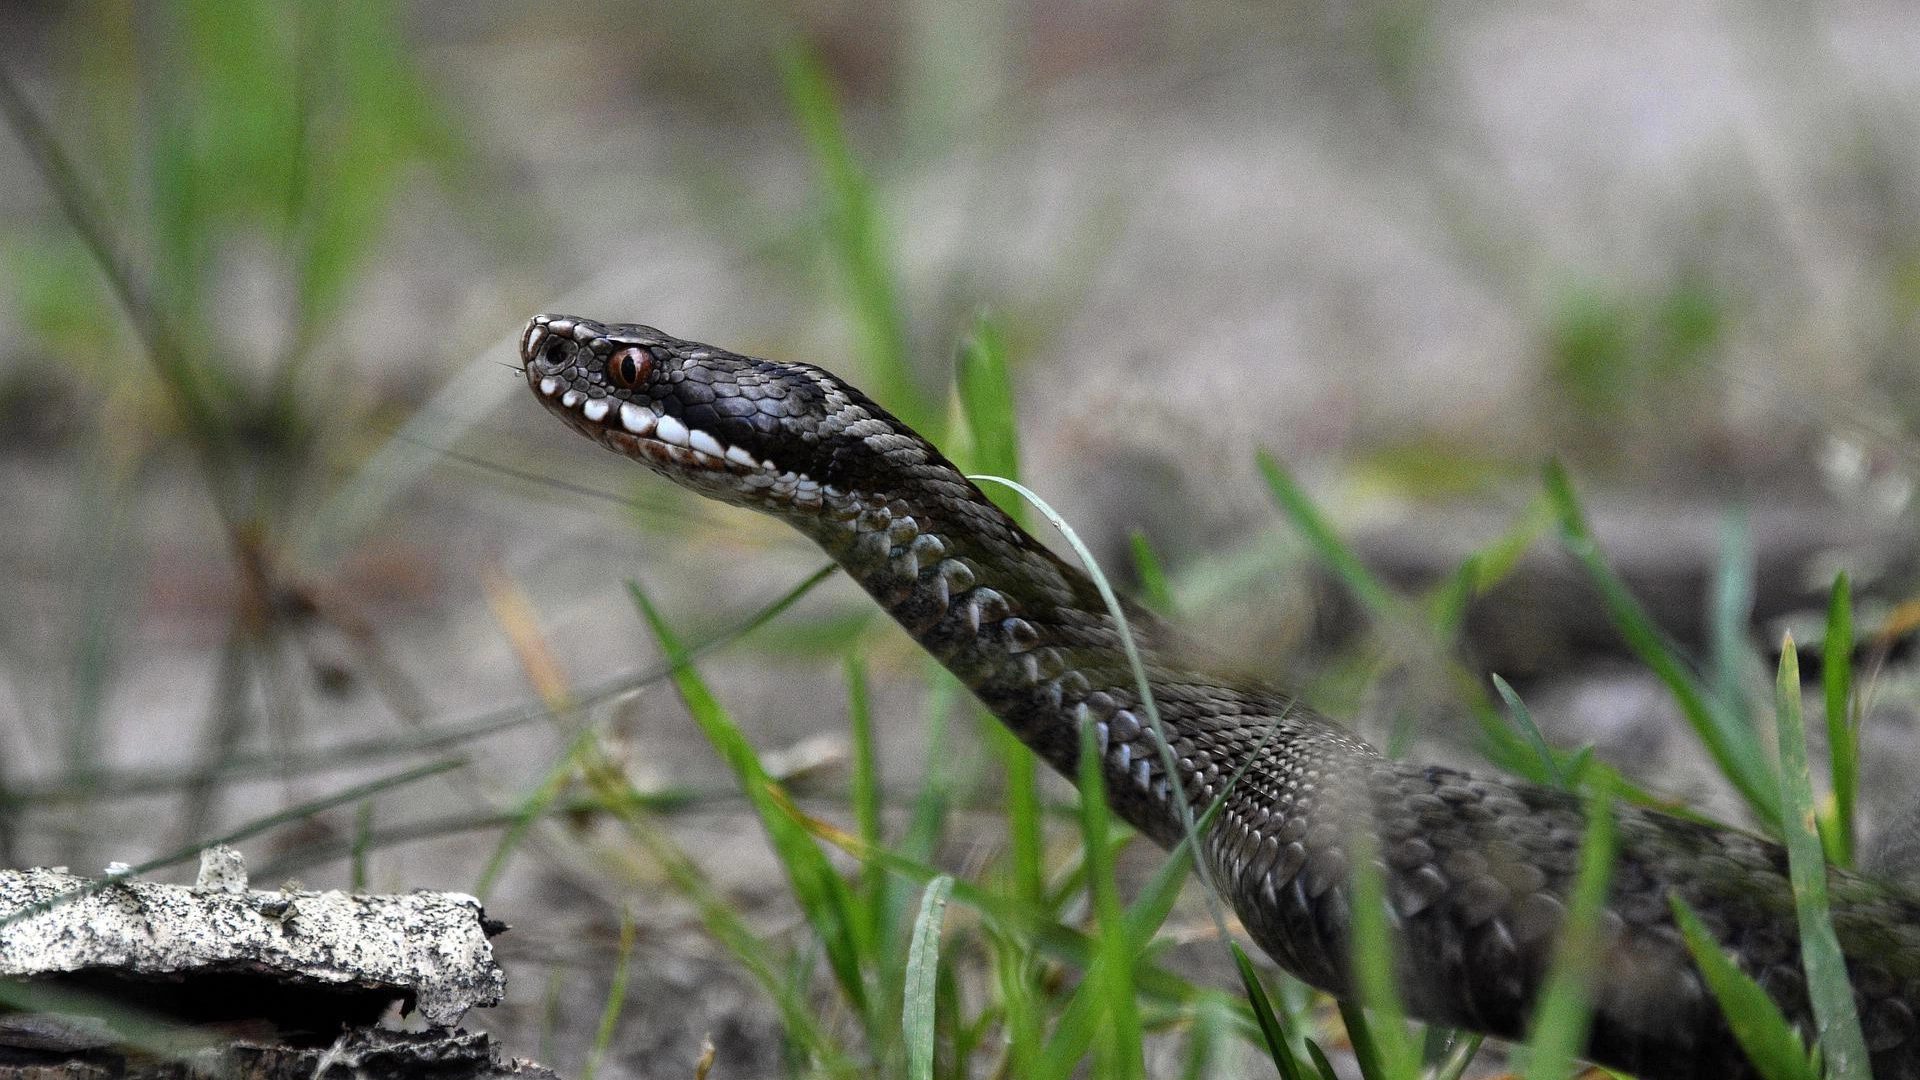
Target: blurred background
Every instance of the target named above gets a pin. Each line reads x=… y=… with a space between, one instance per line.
x=279 y=518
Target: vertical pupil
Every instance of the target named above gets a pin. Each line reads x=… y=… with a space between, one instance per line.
x=627 y=367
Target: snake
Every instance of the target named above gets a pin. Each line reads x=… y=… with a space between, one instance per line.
x=1478 y=871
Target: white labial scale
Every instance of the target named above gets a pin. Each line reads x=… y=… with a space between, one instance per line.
x=636 y=418
x=669 y=430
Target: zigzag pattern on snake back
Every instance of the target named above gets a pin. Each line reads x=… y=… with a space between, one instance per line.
x=1478 y=869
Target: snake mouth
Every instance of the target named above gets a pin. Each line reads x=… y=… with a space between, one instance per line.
x=636 y=429
x=575 y=367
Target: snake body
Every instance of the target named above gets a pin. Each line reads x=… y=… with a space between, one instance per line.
x=1478 y=870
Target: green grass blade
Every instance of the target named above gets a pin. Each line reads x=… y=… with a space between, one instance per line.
x=984 y=385
x=875 y=899
x=1459 y=1056
x=1485 y=568
x=1210 y=1037
x=186 y=381
x=1523 y=718
x=1154 y=590
x=1324 y=1066
x=923 y=963
x=616 y=998
x=1366 y=1051
x=300 y=812
x=1279 y=1048
x=1734 y=747
x=1293 y=500
x=927 y=825
x=534 y=807
x=1447 y=603
x=1022 y=1016
x=1026 y=840
x=821 y=893
x=1394 y=1052
x=1836 y=679
x=1155 y=900
x=1729 y=613
x=1565 y=1009
x=859 y=240
x=1494 y=562
x=759 y=958
x=1124 y=1055
x=1144 y=917
x=1771 y=1043
x=951 y=1023
x=1102 y=1012
x=864 y=785
x=1828 y=988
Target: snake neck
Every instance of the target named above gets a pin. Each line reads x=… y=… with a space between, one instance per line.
x=1030 y=636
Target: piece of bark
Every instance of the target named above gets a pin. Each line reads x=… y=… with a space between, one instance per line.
x=227 y=952
x=118 y=978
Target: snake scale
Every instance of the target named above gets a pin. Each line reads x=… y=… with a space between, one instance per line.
x=1477 y=869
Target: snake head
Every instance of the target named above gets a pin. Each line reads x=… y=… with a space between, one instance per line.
x=744 y=430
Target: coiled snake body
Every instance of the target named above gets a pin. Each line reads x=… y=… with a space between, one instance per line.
x=1478 y=870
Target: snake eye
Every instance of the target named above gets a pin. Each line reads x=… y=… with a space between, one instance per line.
x=629 y=367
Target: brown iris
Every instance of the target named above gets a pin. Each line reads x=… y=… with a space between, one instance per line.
x=629 y=367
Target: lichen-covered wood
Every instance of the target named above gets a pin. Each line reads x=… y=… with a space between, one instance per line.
x=117 y=977
x=429 y=948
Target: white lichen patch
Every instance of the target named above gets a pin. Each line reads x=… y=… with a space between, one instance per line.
x=431 y=946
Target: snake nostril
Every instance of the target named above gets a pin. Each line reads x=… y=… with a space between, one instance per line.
x=554 y=355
